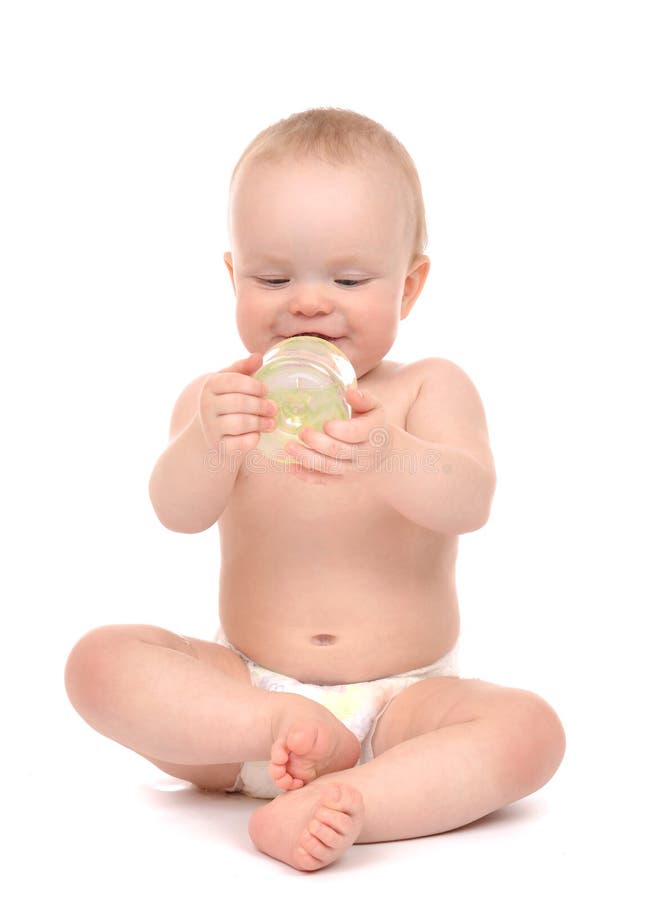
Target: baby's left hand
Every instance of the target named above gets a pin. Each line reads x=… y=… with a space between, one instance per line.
x=347 y=447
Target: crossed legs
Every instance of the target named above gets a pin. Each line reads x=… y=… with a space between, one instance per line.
x=447 y=750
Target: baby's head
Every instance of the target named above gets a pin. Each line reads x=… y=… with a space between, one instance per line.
x=327 y=227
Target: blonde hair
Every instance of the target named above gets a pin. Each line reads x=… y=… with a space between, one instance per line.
x=343 y=137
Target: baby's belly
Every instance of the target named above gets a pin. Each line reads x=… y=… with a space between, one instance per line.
x=344 y=632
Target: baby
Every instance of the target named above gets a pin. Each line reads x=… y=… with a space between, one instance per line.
x=332 y=686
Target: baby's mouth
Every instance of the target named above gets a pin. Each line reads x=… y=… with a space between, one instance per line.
x=316 y=334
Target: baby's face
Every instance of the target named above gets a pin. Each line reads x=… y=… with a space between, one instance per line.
x=323 y=249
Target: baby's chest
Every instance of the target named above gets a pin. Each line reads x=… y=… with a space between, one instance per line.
x=279 y=508
x=275 y=481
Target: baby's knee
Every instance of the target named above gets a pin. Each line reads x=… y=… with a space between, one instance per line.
x=106 y=659
x=91 y=664
x=540 y=742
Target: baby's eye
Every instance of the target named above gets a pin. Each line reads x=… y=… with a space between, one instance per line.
x=347 y=282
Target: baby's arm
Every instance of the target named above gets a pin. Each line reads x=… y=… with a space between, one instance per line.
x=443 y=475
x=186 y=495
x=215 y=419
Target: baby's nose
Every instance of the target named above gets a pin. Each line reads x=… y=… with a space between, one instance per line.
x=310 y=300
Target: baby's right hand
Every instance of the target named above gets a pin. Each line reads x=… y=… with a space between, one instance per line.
x=233 y=408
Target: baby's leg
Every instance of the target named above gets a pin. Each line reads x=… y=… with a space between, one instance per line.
x=186 y=705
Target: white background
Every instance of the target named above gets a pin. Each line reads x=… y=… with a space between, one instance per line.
x=531 y=126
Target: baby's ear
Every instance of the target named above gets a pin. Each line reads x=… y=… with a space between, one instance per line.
x=230 y=267
x=414 y=283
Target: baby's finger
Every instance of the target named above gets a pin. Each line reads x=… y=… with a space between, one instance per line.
x=314 y=462
x=250 y=364
x=361 y=432
x=361 y=401
x=234 y=382
x=353 y=431
x=242 y=403
x=325 y=444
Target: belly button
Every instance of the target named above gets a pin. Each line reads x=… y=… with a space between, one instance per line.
x=323 y=639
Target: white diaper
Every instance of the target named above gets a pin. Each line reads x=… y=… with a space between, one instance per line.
x=358 y=705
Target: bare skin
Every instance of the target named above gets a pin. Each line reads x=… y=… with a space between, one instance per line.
x=307 y=741
x=116 y=675
x=319 y=824
x=369 y=555
x=305 y=748
x=326 y=578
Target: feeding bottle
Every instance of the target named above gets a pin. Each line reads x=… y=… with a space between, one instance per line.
x=307 y=378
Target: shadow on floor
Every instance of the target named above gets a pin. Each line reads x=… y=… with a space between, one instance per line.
x=226 y=815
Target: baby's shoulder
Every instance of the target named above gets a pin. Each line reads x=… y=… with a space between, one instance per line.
x=439 y=367
x=420 y=382
x=448 y=408
x=409 y=378
x=431 y=368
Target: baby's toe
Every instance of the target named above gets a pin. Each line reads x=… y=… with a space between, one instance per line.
x=318 y=853
x=279 y=754
x=303 y=739
x=325 y=833
x=341 y=808
x=339 y=822
x=284 y=779
x=344 y=798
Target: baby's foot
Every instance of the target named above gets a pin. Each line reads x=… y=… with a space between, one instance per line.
x=308 y=741
x=311 y=828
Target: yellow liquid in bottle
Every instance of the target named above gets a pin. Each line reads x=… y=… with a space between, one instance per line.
x=307 y=378
x=312 y=407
